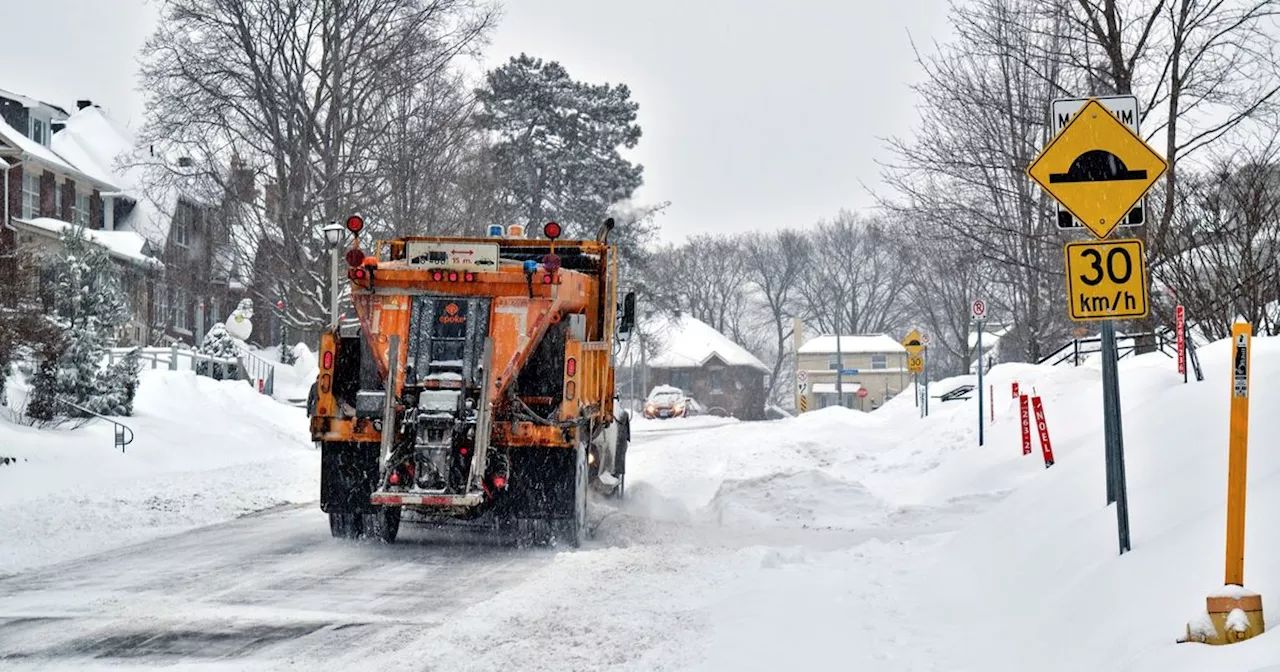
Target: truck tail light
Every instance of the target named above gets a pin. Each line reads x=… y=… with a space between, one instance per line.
x=469 y=276
x=328 y=359
x=571 y=366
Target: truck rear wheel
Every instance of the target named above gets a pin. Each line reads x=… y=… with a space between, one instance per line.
x=383 y=524
x=574 y=529
x=345 y=525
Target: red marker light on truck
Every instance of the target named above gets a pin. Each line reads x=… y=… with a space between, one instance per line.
x=546 y=279
x=328 y=359
x=469 y=276
x=354 y=256
x=570 y=367
x=437 y=276
x=453 y=276
x=355 y=223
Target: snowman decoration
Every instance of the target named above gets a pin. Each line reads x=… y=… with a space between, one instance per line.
x=240 y=324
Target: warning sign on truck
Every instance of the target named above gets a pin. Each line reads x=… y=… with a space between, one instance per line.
x=470 y=256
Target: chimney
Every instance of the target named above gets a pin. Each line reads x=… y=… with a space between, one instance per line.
x=81 y=104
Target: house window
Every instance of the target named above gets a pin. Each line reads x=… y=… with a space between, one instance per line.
x=57 y=201
x=833 y=362
x=717 y=380
x=160 y=312
x=30 y=195
x=181 y=309
x=181 y=230
x=879 y=361
x=38 y=129
x=683 y=379
x=80 y=214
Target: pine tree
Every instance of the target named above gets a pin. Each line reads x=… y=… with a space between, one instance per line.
x=88 y=304
x=557 y=156
x=217 y=343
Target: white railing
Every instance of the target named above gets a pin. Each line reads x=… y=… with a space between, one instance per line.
x=247 y=366
x=258 y=371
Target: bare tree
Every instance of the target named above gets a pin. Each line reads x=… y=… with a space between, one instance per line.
x=300 y=89
x=775 y=263
x=984 y=111
x=1225 y=244
x=854 y=281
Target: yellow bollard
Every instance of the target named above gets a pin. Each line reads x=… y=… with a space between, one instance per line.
x=1236 y=614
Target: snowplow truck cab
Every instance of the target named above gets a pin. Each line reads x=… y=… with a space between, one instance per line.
x=476 y=383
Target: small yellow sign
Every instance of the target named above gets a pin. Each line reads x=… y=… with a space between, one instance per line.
x=913 y=343
x=1097 y=168
x=915 y=364
x=1106 y=280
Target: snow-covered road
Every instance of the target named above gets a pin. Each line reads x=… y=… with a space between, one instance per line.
x=675 y=578
x=269 y=588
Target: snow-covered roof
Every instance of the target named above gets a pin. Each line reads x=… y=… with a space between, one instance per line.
x=45 y=155
x=101 y=147
x=857 y=344
x=690 y=343
x=28 y=101
x=124 y=245
x=830 y=388
x=990 y=336
x=94 y=144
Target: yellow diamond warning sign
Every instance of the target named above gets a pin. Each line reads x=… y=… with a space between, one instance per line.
x=913 y=342
x=1097 y=168
x=1106 y=280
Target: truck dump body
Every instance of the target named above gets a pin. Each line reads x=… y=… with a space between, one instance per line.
x=478 y=379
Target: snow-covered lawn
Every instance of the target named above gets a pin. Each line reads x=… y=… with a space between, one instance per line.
x=204 y=451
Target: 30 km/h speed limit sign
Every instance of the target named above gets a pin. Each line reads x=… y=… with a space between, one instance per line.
x=1106 y=280
x=915 y=364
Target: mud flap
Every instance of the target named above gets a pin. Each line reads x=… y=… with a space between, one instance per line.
x=348 y=474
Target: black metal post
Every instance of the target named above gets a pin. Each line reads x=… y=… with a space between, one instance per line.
x=1114 y=435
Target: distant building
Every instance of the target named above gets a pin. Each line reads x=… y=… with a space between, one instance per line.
x=875 y=366
x=709 y=367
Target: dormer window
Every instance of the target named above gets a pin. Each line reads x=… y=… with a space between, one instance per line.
x=39 y=131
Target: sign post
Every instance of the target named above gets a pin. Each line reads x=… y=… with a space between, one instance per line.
x=1236 y=613
x=978 y=312
x=802 y=386
x=924 y=338
x=1099 y=169
x=1238 y=455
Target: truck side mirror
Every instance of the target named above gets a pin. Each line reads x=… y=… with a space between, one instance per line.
x=627 y=323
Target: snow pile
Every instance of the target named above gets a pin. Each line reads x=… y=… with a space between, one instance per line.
x=803 y=472
x=292 y=381
x=204 y=451
x=1048 y=553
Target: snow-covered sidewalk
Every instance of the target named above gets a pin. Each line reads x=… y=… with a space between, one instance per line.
x=204 y=451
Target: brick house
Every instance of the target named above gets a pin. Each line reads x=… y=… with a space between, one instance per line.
x=46 y=193
x=709 y=367
x=187 y=235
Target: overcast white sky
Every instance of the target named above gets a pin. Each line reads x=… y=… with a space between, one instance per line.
x=756 y=114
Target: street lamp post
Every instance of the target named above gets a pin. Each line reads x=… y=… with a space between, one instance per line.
x=333 y=235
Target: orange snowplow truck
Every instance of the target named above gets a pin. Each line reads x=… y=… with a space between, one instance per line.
x=476 y=384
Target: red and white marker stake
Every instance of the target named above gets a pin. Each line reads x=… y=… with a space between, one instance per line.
x=1044 y=434
x=1015 y=391
x=1026 y=425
